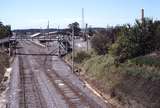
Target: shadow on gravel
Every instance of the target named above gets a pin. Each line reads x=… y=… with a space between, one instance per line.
x=34 y=54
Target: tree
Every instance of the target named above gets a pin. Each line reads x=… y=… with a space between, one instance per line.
x=157 y=34
x=140 y=39
x=1 y=24
x=118 y=49
x=76 y=28
x=5 y=30
x=101 y=41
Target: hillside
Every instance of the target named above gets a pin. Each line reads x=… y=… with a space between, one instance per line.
x=134 y=83
x=4 y=63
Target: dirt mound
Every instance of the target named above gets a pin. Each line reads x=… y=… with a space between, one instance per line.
x=138 y=92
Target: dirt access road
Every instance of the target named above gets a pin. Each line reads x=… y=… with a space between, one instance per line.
x=39 y=80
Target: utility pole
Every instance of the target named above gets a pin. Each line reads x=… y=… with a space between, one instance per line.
x=59 y=41
x=86 y=35
x=48 y=27
x=9 y=49
x=82 y=22
x=40 y=32
x=72 y=49
x=48 y=35
x=66 y=46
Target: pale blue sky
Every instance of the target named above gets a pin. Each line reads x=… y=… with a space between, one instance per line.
x=22 y=14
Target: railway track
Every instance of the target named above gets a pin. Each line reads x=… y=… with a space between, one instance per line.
x=72 y=97
x=71 y=94
x=30 y=94
x=42 y=96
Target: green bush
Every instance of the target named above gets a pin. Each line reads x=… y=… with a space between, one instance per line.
x=81 y=56
x=99 y=66
x=145 y=60
x=144 y=71
x=102 y=40
x=4 y=63
x=5 y=30
x=138 y=40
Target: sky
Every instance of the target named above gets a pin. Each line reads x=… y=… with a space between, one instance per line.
x=24 y=14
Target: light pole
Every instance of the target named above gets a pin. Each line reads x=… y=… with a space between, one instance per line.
x=59 y=41
x=86 y=34
x=72 y=49
x=9 y=46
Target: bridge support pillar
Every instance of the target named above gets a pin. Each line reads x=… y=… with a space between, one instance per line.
x=10 y=51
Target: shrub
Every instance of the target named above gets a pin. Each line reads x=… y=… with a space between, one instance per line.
x=4 y=63
x=99 y=66
x=81 y=56
x=145 y=60
x=5 y=30
x=135 y=41
x=101 y=41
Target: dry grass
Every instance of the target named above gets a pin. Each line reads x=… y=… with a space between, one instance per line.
x=134 y=83
x=4 y=63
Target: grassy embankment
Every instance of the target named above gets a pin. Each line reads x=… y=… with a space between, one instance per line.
x=4 y=63
x=133 y=83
